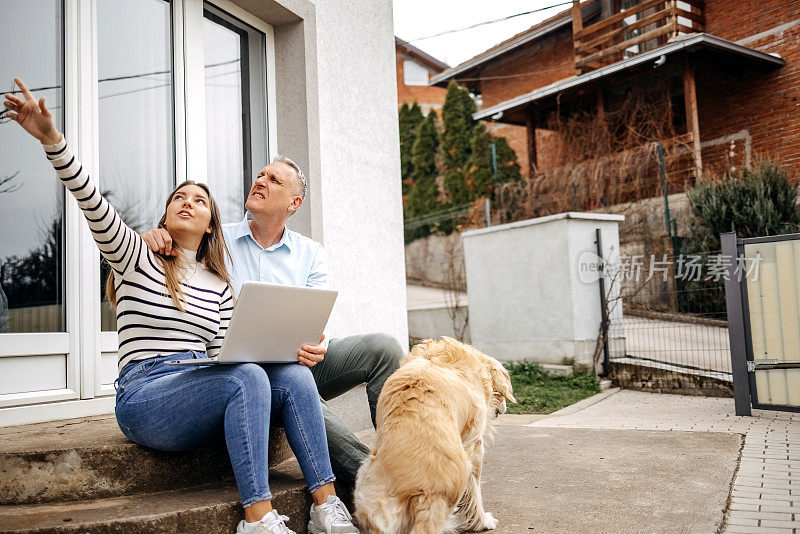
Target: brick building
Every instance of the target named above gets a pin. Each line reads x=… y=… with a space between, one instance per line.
x=415 y=68
x=732 y=71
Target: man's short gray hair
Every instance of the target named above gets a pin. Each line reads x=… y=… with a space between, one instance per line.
x=297 y=169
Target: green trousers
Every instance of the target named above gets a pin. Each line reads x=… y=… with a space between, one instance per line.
x=349 y=362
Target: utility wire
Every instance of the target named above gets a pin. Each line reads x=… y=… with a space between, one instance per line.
x=4 y=120
x=127 y=77
x=489 y=22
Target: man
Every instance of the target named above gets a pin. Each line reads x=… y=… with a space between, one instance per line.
x=264 y=250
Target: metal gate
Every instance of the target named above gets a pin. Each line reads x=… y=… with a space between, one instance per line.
x=762 y=294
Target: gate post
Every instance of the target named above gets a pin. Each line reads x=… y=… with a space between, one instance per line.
x=736 y=330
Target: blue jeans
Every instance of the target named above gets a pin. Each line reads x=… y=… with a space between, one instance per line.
x=174 y=408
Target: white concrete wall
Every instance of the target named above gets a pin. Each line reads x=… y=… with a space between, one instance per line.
x=526 y=299
x=362 y=219
x=337 y=117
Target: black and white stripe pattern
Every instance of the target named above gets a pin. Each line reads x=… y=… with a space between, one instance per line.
x=147 y=321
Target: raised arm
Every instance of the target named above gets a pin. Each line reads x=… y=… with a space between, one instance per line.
x=118 y=243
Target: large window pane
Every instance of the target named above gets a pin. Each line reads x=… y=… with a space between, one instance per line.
x=31 y=197
x=137 y=153
x=236 y=132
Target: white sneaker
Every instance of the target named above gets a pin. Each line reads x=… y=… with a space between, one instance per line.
x=331 y=518
x=272 y=523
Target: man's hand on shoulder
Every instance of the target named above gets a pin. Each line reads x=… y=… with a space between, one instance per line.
x=160 y=241
x=311 y=355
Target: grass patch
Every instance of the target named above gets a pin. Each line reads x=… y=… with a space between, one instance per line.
x=539 y=392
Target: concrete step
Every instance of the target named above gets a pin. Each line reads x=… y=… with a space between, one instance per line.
x=210 y=508
x=557 y=369
x=90 y=458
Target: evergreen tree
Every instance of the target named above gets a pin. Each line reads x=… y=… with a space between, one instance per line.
x=508 y=169
x=752 y=202
x=456 y=141
x=422 y=199
x=481 y=171
x=482 y=176
x=410 y=119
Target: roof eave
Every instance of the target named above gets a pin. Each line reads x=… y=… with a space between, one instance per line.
x=671 y=48
x=424 y=56
x=444 y=77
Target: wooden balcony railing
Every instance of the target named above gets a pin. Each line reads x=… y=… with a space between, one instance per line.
x=645 y=26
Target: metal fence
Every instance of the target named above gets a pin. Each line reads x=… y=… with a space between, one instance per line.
x=673 y=323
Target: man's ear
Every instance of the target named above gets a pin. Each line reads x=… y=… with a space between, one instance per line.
x=296 y=203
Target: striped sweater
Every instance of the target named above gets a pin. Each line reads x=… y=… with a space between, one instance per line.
x=148 y=323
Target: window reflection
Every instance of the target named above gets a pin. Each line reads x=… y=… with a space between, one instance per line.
x=137 y=156
x=31 y=197
x=235 y=76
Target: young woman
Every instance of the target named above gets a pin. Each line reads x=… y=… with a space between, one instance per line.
x=179 y=307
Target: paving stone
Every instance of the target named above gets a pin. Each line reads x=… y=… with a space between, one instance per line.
x=762 y=502
x=784 y=509
x=744 y=507
x=769 y=473
x=780 y=524
x=741 y=522
x=762 y=515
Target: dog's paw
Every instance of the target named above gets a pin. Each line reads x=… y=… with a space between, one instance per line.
x=489 y=522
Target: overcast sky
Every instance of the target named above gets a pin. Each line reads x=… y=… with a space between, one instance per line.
x=420 y=18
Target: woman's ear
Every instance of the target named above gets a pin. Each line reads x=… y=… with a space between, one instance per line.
x=209 y=229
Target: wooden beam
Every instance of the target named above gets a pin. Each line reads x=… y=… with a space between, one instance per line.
x=577 y=17
x=692 y=121
x=673 y=17
x=597 y=26
x=530 y=124
x=623 y=45
x=577 y=27
x=695 y=17
x=582 y=46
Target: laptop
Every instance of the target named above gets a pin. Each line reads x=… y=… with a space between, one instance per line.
x=271 y=322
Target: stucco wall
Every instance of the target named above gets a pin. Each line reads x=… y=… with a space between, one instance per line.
x=362 y=220
x=534 y=303
x=337 y=116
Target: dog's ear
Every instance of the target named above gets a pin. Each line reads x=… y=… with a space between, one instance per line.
x=420 y=350
x=501 y=381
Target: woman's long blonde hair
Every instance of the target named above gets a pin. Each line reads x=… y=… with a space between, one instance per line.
x=211 y=253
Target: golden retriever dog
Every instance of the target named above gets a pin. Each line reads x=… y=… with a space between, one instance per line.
x=434 y=413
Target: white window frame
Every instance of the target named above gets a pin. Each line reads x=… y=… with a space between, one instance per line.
x=83 y=343
x=420 y=67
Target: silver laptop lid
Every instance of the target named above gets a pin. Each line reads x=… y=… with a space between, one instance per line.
x=271 y=322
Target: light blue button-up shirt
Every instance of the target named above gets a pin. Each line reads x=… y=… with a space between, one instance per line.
x=294 y=261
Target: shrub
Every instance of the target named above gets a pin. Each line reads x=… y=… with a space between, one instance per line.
x=752 y=202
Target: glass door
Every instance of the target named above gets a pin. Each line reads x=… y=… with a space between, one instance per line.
x=34 y=343
x=235 y=102
x=135 y=125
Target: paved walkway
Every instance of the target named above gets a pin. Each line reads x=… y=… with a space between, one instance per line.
x=694 y=345
x=425 y=298
x=765 y=496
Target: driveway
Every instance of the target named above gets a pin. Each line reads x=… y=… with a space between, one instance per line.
x=629 y=461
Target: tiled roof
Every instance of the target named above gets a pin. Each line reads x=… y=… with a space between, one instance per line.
x=537 y=31
x=419 y=54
